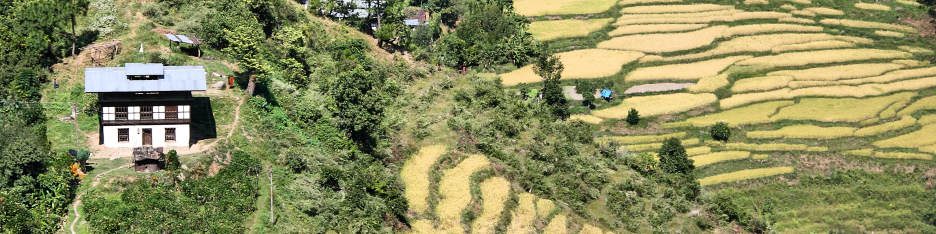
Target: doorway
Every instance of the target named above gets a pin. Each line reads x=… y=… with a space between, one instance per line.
x=148 y=136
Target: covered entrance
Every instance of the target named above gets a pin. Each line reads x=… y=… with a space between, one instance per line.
x=147 y=136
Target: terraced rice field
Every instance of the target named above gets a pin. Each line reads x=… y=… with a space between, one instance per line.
x=415 y=175
x=561 y=7
x=745 y=175
x=557 y=29
x=579 y=64
x=455 y=191
x=710 y=158
x=494 y=192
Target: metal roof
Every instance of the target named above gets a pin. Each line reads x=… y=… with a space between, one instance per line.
x=171 y=37
x=143 y=69
x=114 y=79
x=182 y=38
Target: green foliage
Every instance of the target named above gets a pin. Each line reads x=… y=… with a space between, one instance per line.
x=172 y=161
x=727 y=209
x=550 y=68
x=105 y=18
x=643 y=163
x=488 y=34
x=720 y=132
x=633 y=118
x=673 y=158
x=586 y=88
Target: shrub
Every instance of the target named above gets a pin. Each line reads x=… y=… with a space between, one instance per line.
x=633 y=118
x=172 y=161
x=721 y=132
x=643 y=163
x=673 y=157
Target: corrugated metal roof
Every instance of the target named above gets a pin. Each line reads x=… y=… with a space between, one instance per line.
x=114 y=79
x=182 y=38
x=143 y=69
x=185 y=39
x=171 y=37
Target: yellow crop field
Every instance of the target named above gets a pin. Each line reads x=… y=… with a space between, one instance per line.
x=680 y=124
x=766 y=147
x=839 y=72
x=415 y=174
x=423 y=226
x=654 y=28
x=803 y=131
x=910 y=62
x=788 y=7
x=494 y=191
x=800 y=1
x=590 y=229
x=650 y=58
x=888 y=33
x=750 y=29
x=922 y=137
x=745 y=175
x=455 y=191
x=685 y=71
x=904 y=122
x=654 y=105
x=586 y=118
x=929 y=149
x=755 y=2
x=927 y=119
x=523 y=215
x=892 y=76
x=813 y=45
x=817 y=149
x=902 y=155
x=544 y=207
x=561 y=7
x=891 y=111
x=824 y=11
x=838 y=109
x=650 y=9
x=556 y=29
x=748 y=98
x=868 y=24
x=927 y=103
x=866 y=152
x=557 y=225
x=641 y=139
x=753 y=114
x=665 y=42
x=909 y=2
x=796 y=20
x=758 y=43
x=657 y=146
x=717 y=157
x=760 y=83
x=872 y=6
x=759 y=156
x=722 y=16
x=633 y=2
x=822 y=56
x=829 y=91
x=698 y=150
x=803 y=13
x=579 y=64
x=710 y=84
x=727 y=12
x=916 y=50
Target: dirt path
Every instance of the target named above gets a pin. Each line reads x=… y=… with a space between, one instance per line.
x=77 y=202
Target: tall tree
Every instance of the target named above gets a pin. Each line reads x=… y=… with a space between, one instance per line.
x=673 y=157
x=550 y=69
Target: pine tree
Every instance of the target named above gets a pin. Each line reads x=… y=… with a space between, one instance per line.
x=633 y=118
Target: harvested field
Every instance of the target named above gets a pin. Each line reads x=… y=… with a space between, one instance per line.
x=886 y=33
x=586 y=118
x=927 y=119
x=927 y=103
x=821 y=57
x=698 y=150
x=904 y=122
x=415 y=174
x=665 y=42
x=651 y=9
x=753 y=114
x=658 y=105
x=654 y=28
x=494 y=191
x=915 y=50
x=544 y=207
x=803 y=132
x=758 y=43
x=922 y=137
x=766 y=147
x=710 y=84
x=745 y=175
x=455 y=192
x=685 y=71
x=658 y=87
x=579 y=64
x=568 y=28
x=840 y=72
x=557 y=225
x=760 y=83
x=561 y=7
x=868 y=24
x=634 y=2
x=838 y=109
x=523 y=215
x=717 y=157
x=627 y=140
x=903 y=155
x=813 y=45
x=872 y=6
x=824 y=11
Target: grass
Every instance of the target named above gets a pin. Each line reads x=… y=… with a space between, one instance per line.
x=685 y=71
x=824 y=11
x=903 y=155
x=654 y=28
x=763 y=83
x=886 y=33
x=494 y=191
x=641 y=139
x=868 y=25
x=455 y=191
x=927 y=103
x=665 y=42
x=415 y=174
x=590 y=229
x=657 y=105
x=716 y=157
x=586 y=118
x=813 y=45
x=872 y=6
x=557 y=225
x=922 y=137
x=745 y=175
x=839 y=72
x=579 y=64
x=803 y=131
x=904 y=122
x=752 y=114
x=523 y=215
x=568 y=28
x=822 y=56
x=838 y=109
x=561 y=7
x=650 y=9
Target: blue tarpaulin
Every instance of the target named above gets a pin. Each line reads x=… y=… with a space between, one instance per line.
x=606 y=93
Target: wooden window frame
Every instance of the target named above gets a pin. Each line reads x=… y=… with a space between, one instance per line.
x=171 y=134
x=146 y=112
x=123 y=135
x=172 y=112
x=125 y=113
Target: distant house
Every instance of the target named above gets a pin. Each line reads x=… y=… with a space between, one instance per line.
x=144 y=104
x=416 y=17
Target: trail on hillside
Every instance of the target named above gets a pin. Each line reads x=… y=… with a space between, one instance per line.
x=77 y=201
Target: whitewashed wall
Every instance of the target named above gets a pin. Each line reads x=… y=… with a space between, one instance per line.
x=136 y=135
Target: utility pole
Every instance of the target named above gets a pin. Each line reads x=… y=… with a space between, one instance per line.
x=271 y=195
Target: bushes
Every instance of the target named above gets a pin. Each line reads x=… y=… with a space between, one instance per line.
x=727 y=209
x=720 y=132
x=633 y=118
x=643 y=163
x=172 y=161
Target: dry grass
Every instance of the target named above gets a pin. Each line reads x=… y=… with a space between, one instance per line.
x=927 y=119
x=916 y=50
x=641 y=139
x=760 y=43
x=824 y=11
x=868 y=24
x=813 y=45
x=561 y=7
x=523 y=215
x=866 y=152
x=838 y=109
x=654 y=105
x=839 y=72
x=710 y=84
x=557 y=225
x=455 y=191
x=717 y=157
x=760 y=83
x=544 y=207
x=579 y=64
x=872 y=6
x=886 y=33
x=665 y=42
x=685 y=71
x=745 y=175
x=656 y=9
x=803 y=131
x=698 y=150
x=415 y=174
x=904 y=122
x=654 y=28
x=922 y=137
x=902 y=155
x=586 y=118
x=927 y=103
x=634 y=2
x=766 y=147
x=821 y=57
x=753 y=114
x=568 y=28
x=909 y=2
x=494 y=191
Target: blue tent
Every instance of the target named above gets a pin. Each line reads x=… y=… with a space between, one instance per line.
x=606 y=93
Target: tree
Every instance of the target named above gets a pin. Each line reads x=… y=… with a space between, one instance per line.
x=633 y=118
x=721 y=132
x=673 y=158
x=550 y=69
x=172 y=161
x=587 y=89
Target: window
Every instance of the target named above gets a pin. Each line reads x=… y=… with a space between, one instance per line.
x=107 y=113
x=121 y=113
x=146 y=112
x=172 y=112
x=170 y=134
x=123 y=135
